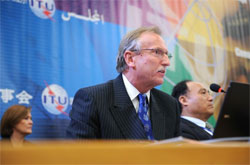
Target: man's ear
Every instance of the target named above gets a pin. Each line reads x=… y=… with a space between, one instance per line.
x=128 y=56
x=183 y=100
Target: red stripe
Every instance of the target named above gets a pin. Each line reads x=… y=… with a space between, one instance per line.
x=219 y=90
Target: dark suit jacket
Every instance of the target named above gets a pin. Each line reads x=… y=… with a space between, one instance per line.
x=192 y=131
x=105 y=111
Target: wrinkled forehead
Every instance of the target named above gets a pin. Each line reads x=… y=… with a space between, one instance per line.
x=152 y=39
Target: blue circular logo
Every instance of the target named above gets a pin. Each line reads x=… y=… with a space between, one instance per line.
x=44 y=9
x=55 y=99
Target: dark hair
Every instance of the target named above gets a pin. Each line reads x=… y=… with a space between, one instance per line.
x=180 y=89
x=11 y=117
x=130 y=42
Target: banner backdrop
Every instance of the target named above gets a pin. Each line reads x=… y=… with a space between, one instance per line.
x=51 y=48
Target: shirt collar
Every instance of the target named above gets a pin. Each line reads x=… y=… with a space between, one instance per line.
x=195 y=120
x=132 y=91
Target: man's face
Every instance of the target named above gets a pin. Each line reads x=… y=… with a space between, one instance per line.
x=150 y=67
x=199 y=101
x=24 y=127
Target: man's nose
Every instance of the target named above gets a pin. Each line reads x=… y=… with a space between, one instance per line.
x=210 y=98
x=166 y=61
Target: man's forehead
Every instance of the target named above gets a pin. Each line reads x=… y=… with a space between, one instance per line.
x=150 y=38
x=151 y=35
x=195 y=86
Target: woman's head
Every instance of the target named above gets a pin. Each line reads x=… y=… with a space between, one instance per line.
x=16 y=118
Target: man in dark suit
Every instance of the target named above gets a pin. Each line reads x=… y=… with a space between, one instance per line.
x=113 y=111
x=197 y=106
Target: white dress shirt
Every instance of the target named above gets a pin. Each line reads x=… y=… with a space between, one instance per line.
x=133 y=93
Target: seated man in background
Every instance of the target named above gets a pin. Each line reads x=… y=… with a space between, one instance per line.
x=197 y=106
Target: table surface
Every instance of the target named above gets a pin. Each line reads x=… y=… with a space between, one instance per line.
x=126 y=152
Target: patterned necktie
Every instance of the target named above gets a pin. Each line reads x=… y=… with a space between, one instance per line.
x=209 y=127
x=143 y=116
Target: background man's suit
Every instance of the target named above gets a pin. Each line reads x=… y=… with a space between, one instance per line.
x=193 y=131
x=105 y=111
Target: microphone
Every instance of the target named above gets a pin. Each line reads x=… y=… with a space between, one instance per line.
x=216 y=88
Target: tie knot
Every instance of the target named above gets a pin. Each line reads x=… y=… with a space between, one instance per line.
x=209 y=126
x=142 y=97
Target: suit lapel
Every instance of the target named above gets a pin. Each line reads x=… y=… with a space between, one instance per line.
x=124 y=113
x=200 y=132
x=157 y=117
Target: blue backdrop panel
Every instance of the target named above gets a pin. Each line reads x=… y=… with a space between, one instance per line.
x=37 y=53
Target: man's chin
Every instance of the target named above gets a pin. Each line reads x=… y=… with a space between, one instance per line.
x=159 y=80
x=211 y=111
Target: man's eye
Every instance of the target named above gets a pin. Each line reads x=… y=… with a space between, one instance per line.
x=158 y=52
x=204 y=92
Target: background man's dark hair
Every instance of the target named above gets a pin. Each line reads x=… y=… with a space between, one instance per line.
x=179 y=90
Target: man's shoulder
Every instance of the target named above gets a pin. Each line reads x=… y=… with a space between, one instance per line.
x=188 y=124
x=193 y=131
x=188 y=127
x=98 y=88
x=162 y=94
x=103 y=86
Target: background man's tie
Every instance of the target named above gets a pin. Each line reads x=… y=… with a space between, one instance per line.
x=209 y=127
x=143 y=115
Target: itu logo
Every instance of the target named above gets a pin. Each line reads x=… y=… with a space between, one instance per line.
x=55 y=99
x=43 y=8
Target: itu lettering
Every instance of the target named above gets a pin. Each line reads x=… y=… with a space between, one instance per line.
x=42 y=4
x=53 y=99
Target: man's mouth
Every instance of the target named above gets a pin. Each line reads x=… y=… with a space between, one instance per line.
x=162 y=71
x=211 y=106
